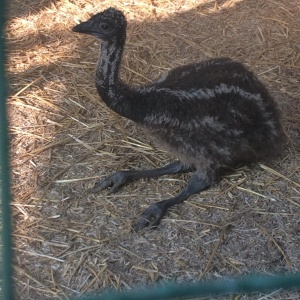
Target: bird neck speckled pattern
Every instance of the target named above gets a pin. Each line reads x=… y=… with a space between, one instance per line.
x=107 y=74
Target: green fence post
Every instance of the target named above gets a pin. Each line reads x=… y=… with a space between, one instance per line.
x=7 y=286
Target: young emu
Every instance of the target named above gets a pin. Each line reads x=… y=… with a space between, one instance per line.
x=207 y=114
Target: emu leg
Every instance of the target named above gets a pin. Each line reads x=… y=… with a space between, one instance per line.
x=118 y=179
x=155 y=212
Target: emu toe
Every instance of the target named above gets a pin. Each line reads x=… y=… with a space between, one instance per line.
x=151 y=216
x=114 y=181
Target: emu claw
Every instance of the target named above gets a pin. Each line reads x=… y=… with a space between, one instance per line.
x=151 y=216
x=114 y=181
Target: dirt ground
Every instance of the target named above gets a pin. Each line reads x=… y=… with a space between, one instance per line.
x=63 y=138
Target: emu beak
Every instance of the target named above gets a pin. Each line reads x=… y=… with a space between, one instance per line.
x=84 y=27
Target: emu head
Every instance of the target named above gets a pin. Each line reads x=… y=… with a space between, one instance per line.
x=106 y=25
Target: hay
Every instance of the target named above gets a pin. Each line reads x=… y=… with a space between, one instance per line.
x=67 y=241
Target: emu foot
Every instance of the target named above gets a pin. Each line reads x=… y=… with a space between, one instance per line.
x=151 y=216
x=114 y=181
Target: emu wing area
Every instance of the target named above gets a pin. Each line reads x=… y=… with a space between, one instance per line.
x=215 y=109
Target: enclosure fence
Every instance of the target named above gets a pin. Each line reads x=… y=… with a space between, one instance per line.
x=6 y=286
x=250 y=284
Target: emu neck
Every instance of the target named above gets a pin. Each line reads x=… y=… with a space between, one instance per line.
x=112 y=90
x=109 y=64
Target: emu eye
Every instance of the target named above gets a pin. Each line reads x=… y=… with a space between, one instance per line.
x=104 y=26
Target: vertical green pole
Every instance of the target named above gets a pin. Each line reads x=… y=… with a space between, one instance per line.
x=7 y=286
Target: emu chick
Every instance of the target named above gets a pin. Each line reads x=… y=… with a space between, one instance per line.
x=207 y=114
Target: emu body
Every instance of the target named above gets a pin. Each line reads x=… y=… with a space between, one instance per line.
x=207 y=114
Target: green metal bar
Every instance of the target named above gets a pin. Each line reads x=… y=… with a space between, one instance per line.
x=174 y=291
x=7 y=285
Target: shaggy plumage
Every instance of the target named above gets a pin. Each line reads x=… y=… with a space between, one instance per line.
x=207 y=114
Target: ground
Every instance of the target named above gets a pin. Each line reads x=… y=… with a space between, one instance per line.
x=63 y=138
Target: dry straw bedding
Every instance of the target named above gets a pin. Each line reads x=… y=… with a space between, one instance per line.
x=63 y=138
